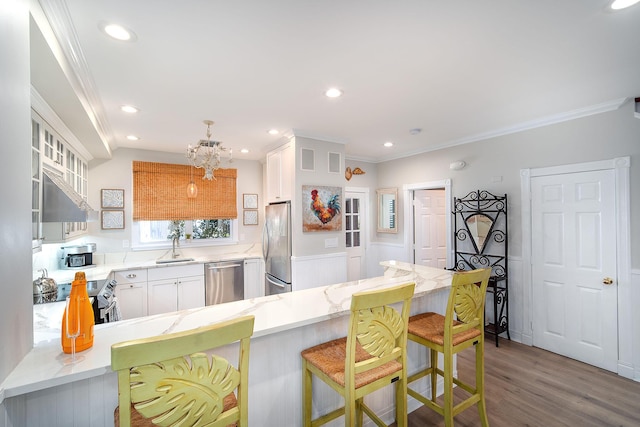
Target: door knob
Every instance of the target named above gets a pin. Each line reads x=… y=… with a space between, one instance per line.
x=607 y=280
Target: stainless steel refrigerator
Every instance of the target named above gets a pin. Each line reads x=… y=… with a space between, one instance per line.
x=276 y=248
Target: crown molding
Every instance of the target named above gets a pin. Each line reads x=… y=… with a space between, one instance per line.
x=75 y=66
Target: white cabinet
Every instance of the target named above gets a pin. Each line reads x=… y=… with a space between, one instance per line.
x=131 y=291
x=280 y=173
x=253 y=278
x=175 y=288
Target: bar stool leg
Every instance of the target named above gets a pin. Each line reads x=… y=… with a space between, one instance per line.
x=306 y=395
x=482 y=407
x=433 y=355
x=448 y=387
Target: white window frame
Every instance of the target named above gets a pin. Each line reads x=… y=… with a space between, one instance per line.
x=137 y=245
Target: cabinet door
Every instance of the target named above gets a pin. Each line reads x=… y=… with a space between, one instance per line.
x=273 y=176
x=253 y=278
x=287 y=172
x=190 y=292
x=132 y=298
x=162 y=296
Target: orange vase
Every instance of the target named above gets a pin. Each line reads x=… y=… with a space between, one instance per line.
x=80 y=309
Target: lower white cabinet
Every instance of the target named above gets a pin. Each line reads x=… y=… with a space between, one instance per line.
x=253 y=278
x=175 y=288
x=131 y=290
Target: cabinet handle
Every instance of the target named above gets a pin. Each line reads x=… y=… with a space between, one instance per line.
x=131 y=276
x=131 y=286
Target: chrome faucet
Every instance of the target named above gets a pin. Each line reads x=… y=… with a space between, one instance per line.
x=175 y=242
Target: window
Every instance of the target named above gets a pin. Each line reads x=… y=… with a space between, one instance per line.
x=199 y=232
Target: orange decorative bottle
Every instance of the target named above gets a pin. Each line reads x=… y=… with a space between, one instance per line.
x=79 y=322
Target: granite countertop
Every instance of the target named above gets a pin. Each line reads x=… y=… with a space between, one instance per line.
x=43 y=366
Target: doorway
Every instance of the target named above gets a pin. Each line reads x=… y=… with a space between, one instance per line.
x=356 y=214
x=427 y=220
x=576 y=289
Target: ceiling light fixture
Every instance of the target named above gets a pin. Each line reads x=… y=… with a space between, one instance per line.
x=118 y=32
x=207 y=154
x=623 y=4
x=129 y=109
x=133 y=138
x=192 y=188
x=273 y=131
x=244 y=151
x=388 y=144
x=333 y=93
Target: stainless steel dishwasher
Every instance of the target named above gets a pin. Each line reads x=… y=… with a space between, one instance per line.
x=224 y=281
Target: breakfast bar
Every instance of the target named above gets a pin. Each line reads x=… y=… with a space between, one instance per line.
x=43 y=391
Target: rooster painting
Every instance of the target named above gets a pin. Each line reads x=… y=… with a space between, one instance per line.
x=322 y=208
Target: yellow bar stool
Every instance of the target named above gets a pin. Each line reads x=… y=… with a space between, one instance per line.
x=461 y=327
x=371 y=356
x=168 y=380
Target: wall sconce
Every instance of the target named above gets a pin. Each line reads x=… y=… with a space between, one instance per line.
x=456 y=166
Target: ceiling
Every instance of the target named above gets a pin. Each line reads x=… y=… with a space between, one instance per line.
x=460 y=71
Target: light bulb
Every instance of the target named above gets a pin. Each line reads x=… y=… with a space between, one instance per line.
x=192 y=190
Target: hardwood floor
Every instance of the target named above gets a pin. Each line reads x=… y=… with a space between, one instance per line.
x=527 y=386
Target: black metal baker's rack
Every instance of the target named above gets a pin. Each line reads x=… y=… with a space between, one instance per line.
x=490 y=251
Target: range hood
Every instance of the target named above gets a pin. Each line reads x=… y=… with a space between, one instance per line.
x=61 y=203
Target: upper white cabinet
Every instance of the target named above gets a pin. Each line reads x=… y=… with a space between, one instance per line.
x=50 y=149
x=280 y=173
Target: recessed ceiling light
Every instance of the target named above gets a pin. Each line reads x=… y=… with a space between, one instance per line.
x=129 y=109
x=244 y=151
x=388 y=144
x=622 y=4
x=132 y=138
x=333 y=93
x=118 y=32
x=273 y=131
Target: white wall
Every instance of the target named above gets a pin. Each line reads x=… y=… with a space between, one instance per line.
x=16 y=327
x=116 y=173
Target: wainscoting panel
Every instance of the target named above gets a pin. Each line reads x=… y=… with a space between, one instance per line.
x=318 y=270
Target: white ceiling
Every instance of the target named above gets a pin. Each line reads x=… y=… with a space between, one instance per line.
x=459 y=70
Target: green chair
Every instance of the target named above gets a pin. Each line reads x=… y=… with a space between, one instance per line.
x=169 y=379
x=372 y=356
x=461 y=327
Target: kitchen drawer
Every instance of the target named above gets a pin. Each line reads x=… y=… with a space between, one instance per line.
x=175 y=271
x=131 y=276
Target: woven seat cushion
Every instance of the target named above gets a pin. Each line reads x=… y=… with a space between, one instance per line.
x=138 y=420
x=330 y=358
x=430 y=326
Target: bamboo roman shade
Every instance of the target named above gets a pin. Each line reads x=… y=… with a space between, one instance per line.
x=160 y=193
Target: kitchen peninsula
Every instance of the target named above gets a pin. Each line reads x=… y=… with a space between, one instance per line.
x=86 y=393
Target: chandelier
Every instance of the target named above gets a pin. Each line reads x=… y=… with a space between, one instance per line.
x=207 y=154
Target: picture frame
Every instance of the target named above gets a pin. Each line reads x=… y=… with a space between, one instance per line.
x=250 y=201
x=250 y=217
x=112 y=198
x=321 y=208
x=112 y=220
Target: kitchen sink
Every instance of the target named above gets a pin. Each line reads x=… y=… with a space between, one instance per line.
x=174 y=260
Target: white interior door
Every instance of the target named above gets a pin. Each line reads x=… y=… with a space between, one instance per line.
x=430 y=237
x=354 y=215
x=573 y=257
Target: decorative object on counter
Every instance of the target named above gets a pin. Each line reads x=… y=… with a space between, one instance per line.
x=250 y=201
x=207 y=153
x=78 y=318
x=371 y=356
x=348 y=173
x=192 y=188
x=45 y=289
x=480 y=241
x=112 y=220
x=176 y=379
x=250 y=217
x=112 y=198
x=321 y=208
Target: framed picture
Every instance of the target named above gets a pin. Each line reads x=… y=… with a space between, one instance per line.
x=250 y=218
x=250 y=201
x=112 y=220
x=112 y=198
x=321 y=210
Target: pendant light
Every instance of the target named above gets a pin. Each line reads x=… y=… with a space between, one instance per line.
x=192 y=188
